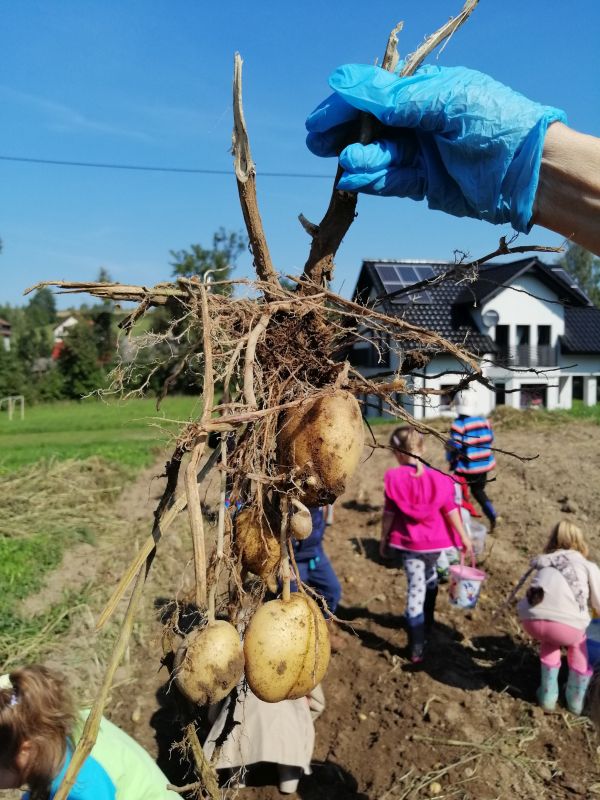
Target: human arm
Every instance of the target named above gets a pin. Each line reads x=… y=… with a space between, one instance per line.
x=455 y=521
x=568 y=195
x=387 y=521
x=594 y=584
x=470 y=145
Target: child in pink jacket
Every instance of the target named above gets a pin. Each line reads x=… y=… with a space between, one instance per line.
x=420 y=518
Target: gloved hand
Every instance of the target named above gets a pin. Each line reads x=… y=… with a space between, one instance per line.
x=467 y=143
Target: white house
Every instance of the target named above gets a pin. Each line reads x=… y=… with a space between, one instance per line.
x=61 y=329
x=5 y=332
x=535 y=333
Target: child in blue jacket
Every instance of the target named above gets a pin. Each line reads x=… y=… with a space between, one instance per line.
x=313 y=565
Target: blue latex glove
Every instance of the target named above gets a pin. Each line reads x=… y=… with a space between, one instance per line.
x=467 y=143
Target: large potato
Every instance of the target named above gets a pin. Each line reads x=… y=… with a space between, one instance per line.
x=209 y=663
x=259 y=550
x=323 y=439
x=286 y=648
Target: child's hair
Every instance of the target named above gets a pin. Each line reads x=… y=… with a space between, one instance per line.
x=35 y=707
x=408 y=440
x=567 y=536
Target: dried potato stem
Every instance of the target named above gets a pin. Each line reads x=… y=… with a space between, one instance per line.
x=212 y=597
x=285 y=559
x=190 y=477
x=245 y=173
x=208 y=777
x=149 y=544
x=255 y=335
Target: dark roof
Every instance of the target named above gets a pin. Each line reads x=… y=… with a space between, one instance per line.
x=441 y=313
x=493 y=278
x=582 y=330
x=445 y=308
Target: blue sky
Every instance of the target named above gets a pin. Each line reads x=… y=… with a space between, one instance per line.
x=149 y=83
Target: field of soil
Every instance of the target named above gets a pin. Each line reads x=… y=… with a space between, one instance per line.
x=464 y=724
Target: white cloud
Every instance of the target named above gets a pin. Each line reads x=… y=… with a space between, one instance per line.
x=65 y=119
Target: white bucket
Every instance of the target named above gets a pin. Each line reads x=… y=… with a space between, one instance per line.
x=465 y=584
x=477 y=532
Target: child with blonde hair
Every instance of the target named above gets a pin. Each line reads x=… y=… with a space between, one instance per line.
x=555 y=613
x=38 y=731
x=421 y=518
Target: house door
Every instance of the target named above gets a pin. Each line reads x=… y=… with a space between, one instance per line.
x=577 y=387
x=502 y=344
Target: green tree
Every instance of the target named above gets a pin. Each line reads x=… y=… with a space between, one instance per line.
x=41 y=309
x=220 y=260
x=78 y=362
x=12 y=376
x=585 y=268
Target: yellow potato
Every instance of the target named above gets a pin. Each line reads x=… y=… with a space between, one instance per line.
x=259 y=550
x=323 y=439
x=209 y=663
x=286 y=648
x=301 y=522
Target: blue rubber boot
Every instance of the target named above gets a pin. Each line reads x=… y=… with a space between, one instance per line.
x=577 y=685
x=547 y=694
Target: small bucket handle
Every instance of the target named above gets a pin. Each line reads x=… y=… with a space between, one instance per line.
x=462 y=561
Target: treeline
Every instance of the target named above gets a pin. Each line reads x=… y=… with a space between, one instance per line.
x=44 y=367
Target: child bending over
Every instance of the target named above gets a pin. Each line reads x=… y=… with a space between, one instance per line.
x=555 y=613
x=39 y=728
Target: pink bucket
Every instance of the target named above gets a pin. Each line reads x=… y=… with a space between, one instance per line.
x=465 y=584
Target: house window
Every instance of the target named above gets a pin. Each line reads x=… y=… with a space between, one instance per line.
x=446 y=395
x=500 y=389
x=522 y=335
x=523 y=354
x=543 y=335
x=533 y=395
x=577 y=387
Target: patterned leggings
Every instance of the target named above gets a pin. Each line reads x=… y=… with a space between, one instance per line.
x=421 y=575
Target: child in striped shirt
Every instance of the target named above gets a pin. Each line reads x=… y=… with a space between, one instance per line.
x=470 y=450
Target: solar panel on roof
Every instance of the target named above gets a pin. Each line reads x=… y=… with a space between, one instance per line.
x=403 y=276
x=387 y=274
x=407 y=275
x=422 y=297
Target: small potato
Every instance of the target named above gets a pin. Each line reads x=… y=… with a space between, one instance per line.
x=209 y=663
x=259 y=550
x=322 y=440
x=301 y=524
x=286 y=648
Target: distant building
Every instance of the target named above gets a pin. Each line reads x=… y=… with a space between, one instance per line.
x=535 y=333
x=61 y=329
x=5 y=331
